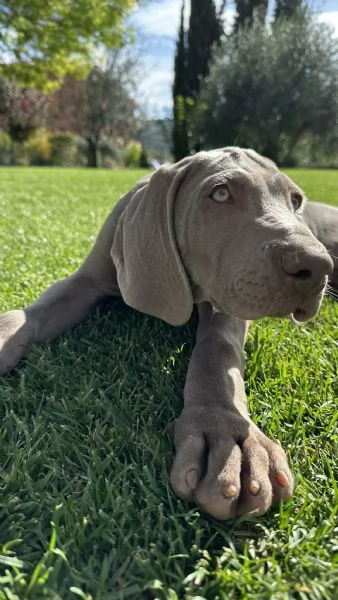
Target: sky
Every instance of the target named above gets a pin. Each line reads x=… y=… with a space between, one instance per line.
x=156 y=24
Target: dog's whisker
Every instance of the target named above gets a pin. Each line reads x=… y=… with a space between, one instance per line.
x=331 y=288
x=332 y=294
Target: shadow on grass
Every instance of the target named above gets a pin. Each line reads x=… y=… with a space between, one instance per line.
x=83 y=448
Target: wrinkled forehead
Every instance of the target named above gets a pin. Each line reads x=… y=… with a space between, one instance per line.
x=243 y=166
x=247 y=159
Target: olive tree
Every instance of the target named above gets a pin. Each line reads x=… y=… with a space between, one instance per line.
x=270 y=85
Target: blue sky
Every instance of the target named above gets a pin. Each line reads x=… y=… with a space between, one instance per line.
x=156 y=23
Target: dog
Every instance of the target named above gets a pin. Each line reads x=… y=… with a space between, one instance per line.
x=227 y=231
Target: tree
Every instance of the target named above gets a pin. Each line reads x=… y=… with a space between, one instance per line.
x=180 y=93
x=245 y=11
x=42 y=41
x=22 y=112
x=205 y=31
x=112 y=109
x=103 y=106
x=194 y=50
x=269 y=87
x=286 y=8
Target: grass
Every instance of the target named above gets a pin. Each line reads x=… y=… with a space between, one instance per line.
x=85 y=507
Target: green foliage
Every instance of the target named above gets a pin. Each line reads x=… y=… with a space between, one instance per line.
x=180 y=92
x=102 y=107
x=143 y=160
x=204 y=32
x=38 y=148
x=194 y=49
x=269 y=87
x=180 y=128
x=155 y=136
x=44 y=41
x=68 y=150
x=42 y=148
x=5 y=141
x=132 y=154
x=286 y=8
x=110 y=105
x=86 y=509
x=22 y=111
x=63 y=149
x=310 y=151
x=5 y=146
x=246 y=9
x=111 y=154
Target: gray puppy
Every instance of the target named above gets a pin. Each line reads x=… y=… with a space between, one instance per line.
x=228 y=231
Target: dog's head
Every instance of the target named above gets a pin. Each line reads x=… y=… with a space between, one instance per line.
x=224 y=226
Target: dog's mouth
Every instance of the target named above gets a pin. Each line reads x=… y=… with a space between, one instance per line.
x=263 y=300
x=298 y=310
x=304 y=313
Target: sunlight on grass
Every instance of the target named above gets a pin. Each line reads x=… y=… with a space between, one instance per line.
x=86 y=510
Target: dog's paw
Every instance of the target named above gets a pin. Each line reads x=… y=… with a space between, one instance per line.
x=15 y=335
x=225 y=464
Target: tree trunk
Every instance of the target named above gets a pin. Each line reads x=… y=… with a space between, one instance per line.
x=92 y=153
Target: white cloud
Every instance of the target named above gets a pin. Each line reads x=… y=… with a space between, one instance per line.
x=331 y=18
x=160 y=18
x=157 y=24
x=155 y=88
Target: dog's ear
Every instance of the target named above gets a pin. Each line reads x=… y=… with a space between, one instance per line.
x=150 y=272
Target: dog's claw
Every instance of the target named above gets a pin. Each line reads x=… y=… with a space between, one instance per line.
x=230 y=491
x=191 y=479
x=254 y=487
x=282 y=479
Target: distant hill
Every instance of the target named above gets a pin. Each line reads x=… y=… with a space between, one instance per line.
x=155 y=137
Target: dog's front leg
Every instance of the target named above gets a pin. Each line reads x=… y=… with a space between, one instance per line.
x=63 y=305
x=223 y=461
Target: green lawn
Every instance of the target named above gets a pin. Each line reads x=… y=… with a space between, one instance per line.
x=85 y=507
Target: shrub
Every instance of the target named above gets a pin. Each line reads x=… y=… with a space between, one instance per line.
x=82 y=150
x=144 y=160
x=111 y=154
x=22 y=110
x=38 y=148
x=5 y=148
x=132 y=154
x=63 y=149
x=270 y=86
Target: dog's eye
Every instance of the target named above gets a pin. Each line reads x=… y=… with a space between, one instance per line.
x=221 y=194
x=296 y=200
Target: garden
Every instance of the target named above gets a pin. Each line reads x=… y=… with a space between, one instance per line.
x=86 y=508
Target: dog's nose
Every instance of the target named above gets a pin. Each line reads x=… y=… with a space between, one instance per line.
x=306 y=268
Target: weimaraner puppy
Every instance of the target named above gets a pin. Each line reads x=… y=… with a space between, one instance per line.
x=228 y=231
